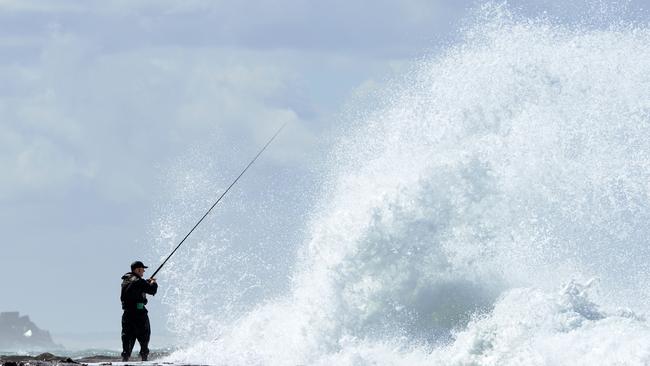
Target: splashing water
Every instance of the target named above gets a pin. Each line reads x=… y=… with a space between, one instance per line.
x=464 y=217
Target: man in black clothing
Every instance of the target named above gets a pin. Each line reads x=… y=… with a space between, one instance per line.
x=135 y=321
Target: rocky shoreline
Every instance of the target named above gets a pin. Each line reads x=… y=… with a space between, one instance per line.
x=48 y=359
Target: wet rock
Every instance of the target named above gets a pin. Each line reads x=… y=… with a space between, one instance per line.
x=46 y=357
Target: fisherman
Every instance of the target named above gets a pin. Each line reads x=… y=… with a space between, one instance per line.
x=135 y=321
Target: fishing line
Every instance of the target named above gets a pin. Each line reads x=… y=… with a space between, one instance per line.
x=219 y=199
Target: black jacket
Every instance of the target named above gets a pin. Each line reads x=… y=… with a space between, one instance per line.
x=134 y=290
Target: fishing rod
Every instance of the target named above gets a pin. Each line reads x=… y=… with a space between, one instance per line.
x=219 y=199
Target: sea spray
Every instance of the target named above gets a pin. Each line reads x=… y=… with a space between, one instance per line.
x=461 y=218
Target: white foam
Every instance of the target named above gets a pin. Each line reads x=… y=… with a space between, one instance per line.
x=497 y=172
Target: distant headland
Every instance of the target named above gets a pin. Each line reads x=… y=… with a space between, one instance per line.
x=19 y=333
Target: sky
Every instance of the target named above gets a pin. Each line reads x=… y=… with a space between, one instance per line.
x=105 y=106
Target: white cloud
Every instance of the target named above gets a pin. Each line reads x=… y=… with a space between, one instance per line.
x=382 y=28
x=108 y=118
x=121 y=86
x=35 y=166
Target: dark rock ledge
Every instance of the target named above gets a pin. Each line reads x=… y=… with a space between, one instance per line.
x=48 y=359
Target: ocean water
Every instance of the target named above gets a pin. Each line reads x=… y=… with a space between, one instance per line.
x=491 y=208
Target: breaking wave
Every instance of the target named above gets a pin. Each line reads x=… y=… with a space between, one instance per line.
x=463 y=219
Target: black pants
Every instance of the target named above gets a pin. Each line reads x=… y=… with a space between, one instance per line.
x=135 y=326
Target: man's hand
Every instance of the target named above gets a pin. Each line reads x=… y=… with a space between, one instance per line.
x=151 y=280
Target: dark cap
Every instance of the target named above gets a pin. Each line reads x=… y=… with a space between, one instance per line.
x=137 y=264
